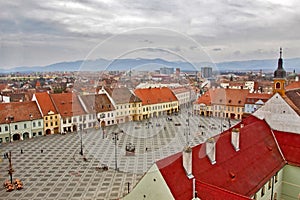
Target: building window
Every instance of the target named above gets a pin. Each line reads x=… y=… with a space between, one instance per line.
x=40 y=132
x=275 y=196
x=25 y=126
x=33 y=124
x=277 y=86
x=276 y=177
x=46 y=124
x=39 y=123
x=6 y=128
x=46 y=118
x=262 y=191
x=255 y=196
x=16 y=127
x=270 y=184
x=0 y=129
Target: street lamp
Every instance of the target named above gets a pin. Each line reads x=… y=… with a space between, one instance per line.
x=115 y=138
x=10 y=169
x=31 y=123
x=9 y=119
x=81 y=148
x=187 y=129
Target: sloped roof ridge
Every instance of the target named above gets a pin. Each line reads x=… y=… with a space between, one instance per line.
x=277 y=144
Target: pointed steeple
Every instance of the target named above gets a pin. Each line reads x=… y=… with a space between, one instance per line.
x=280 y=72
x=279 y=77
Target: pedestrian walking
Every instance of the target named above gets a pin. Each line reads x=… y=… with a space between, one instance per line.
x=146 y=148
x=4 y=155
x=42 y=150
x=21 y=151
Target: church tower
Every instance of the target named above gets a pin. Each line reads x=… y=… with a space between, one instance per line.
x=279 y=77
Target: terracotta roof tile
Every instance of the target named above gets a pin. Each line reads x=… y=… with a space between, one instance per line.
x=230 y=97
x=204 y=99
x=20 y=111
x=67 y=104
x=45 y=103
x=293 y=85
x=155 y=95
x=293 y=99
x=257 y=96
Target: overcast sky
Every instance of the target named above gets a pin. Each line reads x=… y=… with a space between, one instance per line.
x=35 y=32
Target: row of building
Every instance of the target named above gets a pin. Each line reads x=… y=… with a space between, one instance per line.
x=68 y=112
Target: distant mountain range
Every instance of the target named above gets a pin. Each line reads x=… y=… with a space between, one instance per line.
x=141 y=64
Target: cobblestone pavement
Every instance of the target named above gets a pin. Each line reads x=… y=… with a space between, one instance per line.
x=60 y=172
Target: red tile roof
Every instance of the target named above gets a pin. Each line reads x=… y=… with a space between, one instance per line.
x=293 y=85
x=243 y=172
x=45 y=103
x=155 y=95
x=229 y=97
x=20 y=111
x=67 y=104
x=290 y=146
x=204 y=99
x=258 y=96
x=292 y=97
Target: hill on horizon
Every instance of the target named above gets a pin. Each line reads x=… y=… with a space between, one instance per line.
x=141 y=64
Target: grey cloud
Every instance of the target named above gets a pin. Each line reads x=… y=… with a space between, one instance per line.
x=246 y=25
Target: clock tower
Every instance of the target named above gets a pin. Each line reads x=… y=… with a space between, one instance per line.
x=279 y=77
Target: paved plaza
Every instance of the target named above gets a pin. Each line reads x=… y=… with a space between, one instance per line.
x=60 y=172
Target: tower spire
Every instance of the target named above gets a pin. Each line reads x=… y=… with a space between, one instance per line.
x=279 y=76
x=280 y=52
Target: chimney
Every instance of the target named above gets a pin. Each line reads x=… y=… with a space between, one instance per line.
x=235 y=138
x=187 y=161
x=211 y=150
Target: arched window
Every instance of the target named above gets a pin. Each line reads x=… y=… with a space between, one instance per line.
x=277 y=86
